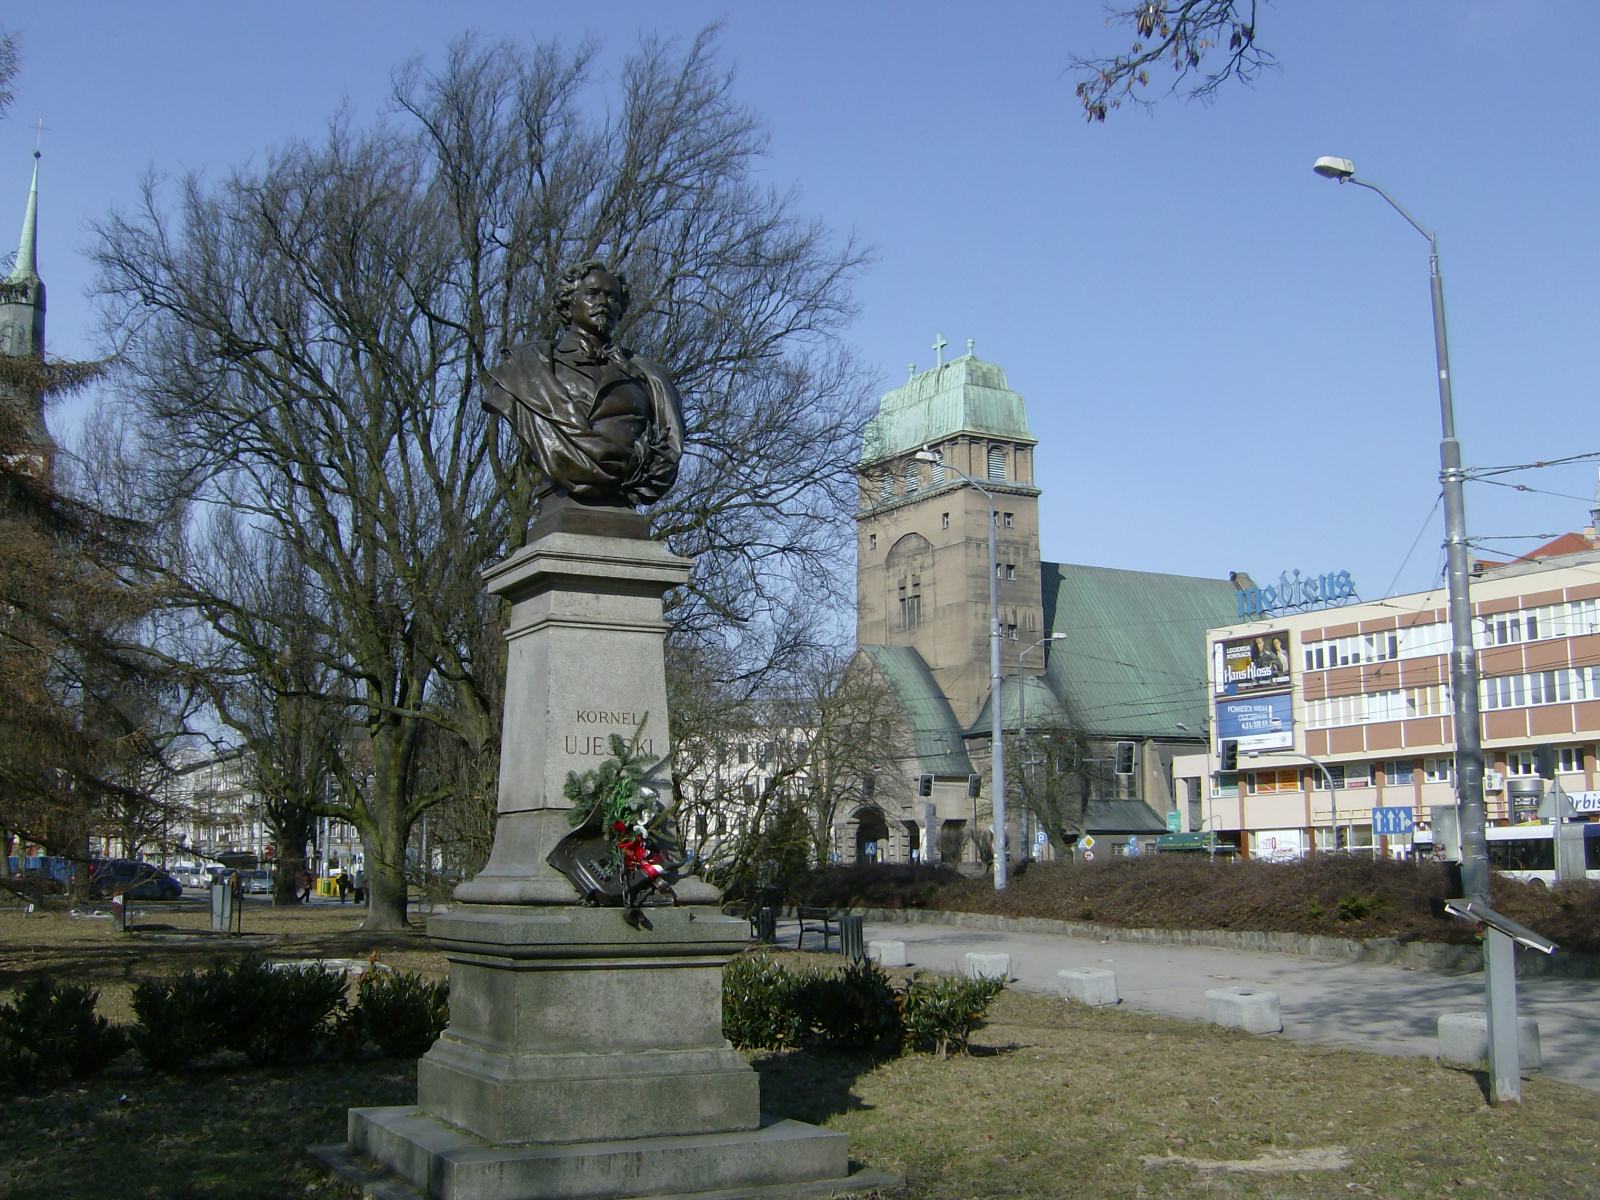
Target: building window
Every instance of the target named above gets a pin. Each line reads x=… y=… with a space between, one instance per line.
x=1521 y=764
x=872 y=541
x=1439 y=770
x=997 y=462
x=910 y=603
x=1011 y=632
x=1225 y=783
x=1569 y=760
x=1286 y=779
x=886 y=487
x=1008 y=519
x=1335 y=776
x=1011 y=570
x=1393 y=773
x=944 y=520
x=913 y=482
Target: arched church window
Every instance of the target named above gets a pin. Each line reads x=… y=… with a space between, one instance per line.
x=997 y=462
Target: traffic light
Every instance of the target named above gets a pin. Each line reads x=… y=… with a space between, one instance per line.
x=1230 y=757
x=1124 y=758
x=924 y=785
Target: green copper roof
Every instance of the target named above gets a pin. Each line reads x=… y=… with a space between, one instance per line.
x=26 y=268
x=1133 y=663
x=935 y=734
x=963 y=396
x=1033 y=700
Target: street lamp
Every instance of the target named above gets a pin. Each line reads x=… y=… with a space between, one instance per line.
x=1022 y=718
x=997 y=755
x=1499 y=951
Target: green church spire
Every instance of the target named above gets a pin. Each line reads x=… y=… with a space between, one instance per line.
x=27 y=264
x=22 y=292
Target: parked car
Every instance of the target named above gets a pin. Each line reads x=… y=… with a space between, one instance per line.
x=193 y=874
x=258 y=881
x=132 y=879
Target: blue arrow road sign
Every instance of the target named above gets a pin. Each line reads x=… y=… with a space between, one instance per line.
x=1390 y=821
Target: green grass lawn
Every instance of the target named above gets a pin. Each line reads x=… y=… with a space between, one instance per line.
x=1054 y=1101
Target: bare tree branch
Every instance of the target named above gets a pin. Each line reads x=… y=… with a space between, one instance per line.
x=1206 y=43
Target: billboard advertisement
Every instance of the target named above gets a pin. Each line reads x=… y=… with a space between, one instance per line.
x=1252 y=664
x=1260 y=723
x=1279 y=845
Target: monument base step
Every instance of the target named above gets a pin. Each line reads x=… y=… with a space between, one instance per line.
x=402 y=1153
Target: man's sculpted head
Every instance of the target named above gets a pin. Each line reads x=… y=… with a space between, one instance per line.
x=572 y=282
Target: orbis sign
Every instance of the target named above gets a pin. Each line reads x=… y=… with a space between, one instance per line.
x=1292 y=593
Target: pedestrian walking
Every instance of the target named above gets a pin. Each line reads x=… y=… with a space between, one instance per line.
x=361 y=885
x=344 y=885
x=305 y=886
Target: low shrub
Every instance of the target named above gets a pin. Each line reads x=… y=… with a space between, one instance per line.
x=401 y=1012
x=940 y=1016
x=1359 y=908
x=270 y=1014
x=50 y=1031
x=876 y=885
x=758 y=1004
x=765 y=1007
x=854 y=1010
x=282 y=1013
x=182 y=1019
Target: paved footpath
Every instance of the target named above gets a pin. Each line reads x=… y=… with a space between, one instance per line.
x=1374 y=1007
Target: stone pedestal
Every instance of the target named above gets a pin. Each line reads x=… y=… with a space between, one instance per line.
x=584 y=1056
x=584 y=661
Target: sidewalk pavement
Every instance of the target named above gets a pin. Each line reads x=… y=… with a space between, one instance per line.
x=1374 y=1007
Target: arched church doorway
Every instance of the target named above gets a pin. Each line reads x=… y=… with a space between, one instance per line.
x=872 y=836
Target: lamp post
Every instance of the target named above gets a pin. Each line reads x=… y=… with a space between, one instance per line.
x=1499 y=960
x=997 y=761
x=1022 y=719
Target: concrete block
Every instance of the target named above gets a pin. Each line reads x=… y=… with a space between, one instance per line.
x=1095 y=987
x=1249 y=1009
x=887 y=954
x=986 y=966
x=1464 y=1040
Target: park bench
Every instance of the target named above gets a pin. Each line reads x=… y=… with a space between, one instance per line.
x=814 y=919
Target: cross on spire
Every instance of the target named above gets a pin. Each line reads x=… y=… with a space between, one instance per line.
x=938 y=349
x=38 y=136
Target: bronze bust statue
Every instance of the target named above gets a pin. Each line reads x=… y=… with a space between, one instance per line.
x=605 y=426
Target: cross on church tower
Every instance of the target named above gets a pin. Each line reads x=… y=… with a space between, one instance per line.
x=938 y=349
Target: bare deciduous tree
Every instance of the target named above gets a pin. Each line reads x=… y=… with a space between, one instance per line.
x=305 y=341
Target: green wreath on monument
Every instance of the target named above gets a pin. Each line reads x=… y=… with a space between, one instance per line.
x=624 y=848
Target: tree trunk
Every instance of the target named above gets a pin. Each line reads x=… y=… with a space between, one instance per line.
x=388 y=826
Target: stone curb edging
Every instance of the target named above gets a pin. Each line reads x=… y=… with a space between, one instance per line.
x=1446 y=957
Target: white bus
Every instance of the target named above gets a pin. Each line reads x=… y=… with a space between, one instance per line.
x=1526 y=852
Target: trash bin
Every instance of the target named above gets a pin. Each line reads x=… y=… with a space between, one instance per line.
x=222 y=903
x=766 y=925
x=852 y=938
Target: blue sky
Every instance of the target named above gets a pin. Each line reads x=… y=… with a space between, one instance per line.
x=1228 y=361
